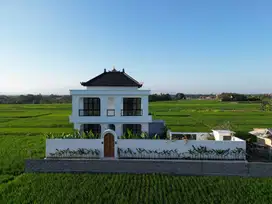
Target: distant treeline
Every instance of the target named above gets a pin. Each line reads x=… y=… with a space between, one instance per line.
x=35 y=99
x=241 y=97
x=166 y=97
x=49 y=99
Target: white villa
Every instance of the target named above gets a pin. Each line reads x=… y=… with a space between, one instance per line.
x=113 y=100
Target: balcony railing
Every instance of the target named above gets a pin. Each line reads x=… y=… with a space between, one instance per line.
x=135 y=112
x=89 y=112
x=110 y=112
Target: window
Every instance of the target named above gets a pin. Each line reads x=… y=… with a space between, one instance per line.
x=226 y=137
x=191 y=137
x=94 y=128
x=135 y=128
x=91 y=107
x=132 y=107
x=182 y=136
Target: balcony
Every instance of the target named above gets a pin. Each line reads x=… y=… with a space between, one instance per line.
x=110 y=115
x=89 y=112
x=135 y=112
x=110 y=112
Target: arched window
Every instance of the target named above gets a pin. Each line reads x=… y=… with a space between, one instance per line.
x=112 y=127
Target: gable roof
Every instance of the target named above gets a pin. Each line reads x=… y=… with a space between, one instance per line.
x=261 y=132
x=113 y=78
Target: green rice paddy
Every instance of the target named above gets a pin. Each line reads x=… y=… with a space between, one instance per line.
x=22 y=129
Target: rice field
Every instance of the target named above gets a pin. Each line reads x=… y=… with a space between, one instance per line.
x=188 y=116
x=129 y=189
x=21 y=136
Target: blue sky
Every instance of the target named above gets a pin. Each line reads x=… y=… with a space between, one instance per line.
x=210 y=46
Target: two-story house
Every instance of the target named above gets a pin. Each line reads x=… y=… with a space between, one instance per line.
x=113 y=100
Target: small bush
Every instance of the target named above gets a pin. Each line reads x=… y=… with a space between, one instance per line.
x=74 y=135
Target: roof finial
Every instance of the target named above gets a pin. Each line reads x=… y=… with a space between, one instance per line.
x=123 y=70
x=113 y=69
x=105 y=71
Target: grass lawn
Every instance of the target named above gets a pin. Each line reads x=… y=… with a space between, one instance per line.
x=21 y=137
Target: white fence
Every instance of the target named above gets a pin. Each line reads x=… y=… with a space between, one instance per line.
x=180 y=149
x=148 y=149
x=81 y=148
x=236 y=139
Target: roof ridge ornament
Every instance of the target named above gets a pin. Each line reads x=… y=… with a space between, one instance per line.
x=113 y=69
x=112 y=78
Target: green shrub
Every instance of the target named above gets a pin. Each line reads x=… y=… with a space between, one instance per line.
x=74 y=135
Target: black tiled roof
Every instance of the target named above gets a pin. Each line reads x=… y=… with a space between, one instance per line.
x=113 y=78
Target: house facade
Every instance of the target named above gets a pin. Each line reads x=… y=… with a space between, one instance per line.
x=112 y=100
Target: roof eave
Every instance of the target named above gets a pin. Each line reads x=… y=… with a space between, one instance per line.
x=86 y=84
x=83 y=83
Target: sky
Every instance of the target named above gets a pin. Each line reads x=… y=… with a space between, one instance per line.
x=211 y=46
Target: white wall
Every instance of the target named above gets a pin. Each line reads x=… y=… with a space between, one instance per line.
x=133 y=144
x=116 y=103
x=113 y=120
x=110 y=92
x=236 y=139
x=73 y=144
x=180 y=145
x=78 y=126
x=104 y=127
x=111 y=102
x=105 y=88
x=119 y=130
x=144 y=104
x=219 y=134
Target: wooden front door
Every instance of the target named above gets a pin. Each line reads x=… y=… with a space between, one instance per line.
x=108 y=145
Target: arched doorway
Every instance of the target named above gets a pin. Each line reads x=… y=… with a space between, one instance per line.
x=108 y=145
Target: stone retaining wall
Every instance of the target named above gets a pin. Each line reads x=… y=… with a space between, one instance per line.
x=197 y=168
x=223 y=168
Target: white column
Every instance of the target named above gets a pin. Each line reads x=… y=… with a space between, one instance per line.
x=118 y=105
x=119 y=129
x=104 y=127
x=144 y=105
x=103 y=105
x=145 y=127
x=80 y=103
x=75 y=105
x=77 y=126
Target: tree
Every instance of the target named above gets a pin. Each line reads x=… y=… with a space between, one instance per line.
x=180 y=96
x=160 y=97
x=232 y=97
x=266 y=105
